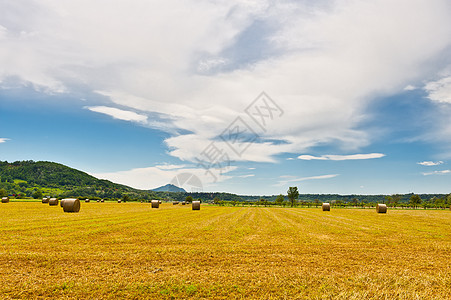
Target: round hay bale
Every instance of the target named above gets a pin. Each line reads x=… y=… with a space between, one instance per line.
x=119 y=201
x=61 y=202
x=71 y=205
x=98 y=200
x=183 y=203
x=45 y=200
x=159 y=202
x=53 y=202
x=102 y=201
x=87 y=200
x=381 y=208
x=196 y=205
x=155 y=204
x=326 y=206
x=5 y=199
x=175 y=203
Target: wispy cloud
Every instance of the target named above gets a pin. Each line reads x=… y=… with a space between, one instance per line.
x=246 y=176
x=430 y=163
x=342 y=157
x=119 y=114
x=410 y=87
x=289 y=179
x=443 y=172
x=2 y=140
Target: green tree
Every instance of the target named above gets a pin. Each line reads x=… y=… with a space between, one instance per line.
x=3 y=193
x=293 y=194
x=389 y=199
x=189 y=199
x=280 y=199
x=37 y=194
x=396 y=199
x=125 y=198
x=316 y=202
x=415 y=200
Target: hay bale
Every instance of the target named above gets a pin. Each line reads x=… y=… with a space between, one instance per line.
x=102 y=201
x=326 y=206
x=45 y=200
x=53 y=202
x=87 y=200
x=155 y=204
x=183 y=202
x=71 y=205
x=159 y=201
x=119 y=201
x=61 y=202
x=196 y=205
x=175 y=203
x=381 y=208
x=5 y=199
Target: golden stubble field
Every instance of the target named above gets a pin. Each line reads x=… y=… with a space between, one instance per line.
x=128 y=250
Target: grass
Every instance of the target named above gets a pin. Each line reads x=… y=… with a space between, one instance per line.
x=111 y=250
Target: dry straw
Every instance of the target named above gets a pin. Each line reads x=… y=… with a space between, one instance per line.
x=45 y=200
x=53 y=202
x=61 y=202
x=381 y=208
x=71 y=205
x=326 y=206
x=5 y=199
x=155 y=204
x=196 y=205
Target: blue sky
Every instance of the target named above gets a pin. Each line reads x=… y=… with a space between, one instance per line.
x=139 y=93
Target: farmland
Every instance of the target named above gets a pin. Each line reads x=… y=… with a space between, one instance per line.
x=128 y=250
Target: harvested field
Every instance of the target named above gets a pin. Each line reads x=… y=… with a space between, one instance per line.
x=133 y=251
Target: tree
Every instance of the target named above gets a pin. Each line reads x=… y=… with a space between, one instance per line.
x=415 y=200
x=396 y=199
x=3 y=193
x=293 y=194
x=280 y=199
x=37 y=194
x=316 y=202
x=125 y=198
x=189 y=199
x=389 y=199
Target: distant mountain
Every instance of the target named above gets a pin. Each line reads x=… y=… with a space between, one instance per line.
x=169 y=188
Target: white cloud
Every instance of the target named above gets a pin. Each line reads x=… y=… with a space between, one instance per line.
x=410 y=88
x=439 y=90
x=246 y=176
x=342 y=157
x=194 y=62
x=430 y=163
x=153 y=177
x=2 y=140
x=290 y=179
x=443 y=172
x=119 y=113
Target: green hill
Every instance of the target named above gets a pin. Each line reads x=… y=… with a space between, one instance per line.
x=26 y=177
